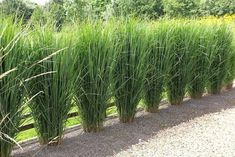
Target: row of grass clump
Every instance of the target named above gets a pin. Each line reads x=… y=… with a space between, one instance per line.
x=94 y=63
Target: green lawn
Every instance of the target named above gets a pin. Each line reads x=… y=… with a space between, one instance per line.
x=31 y=133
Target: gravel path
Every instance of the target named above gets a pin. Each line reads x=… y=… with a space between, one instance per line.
x=203 y=128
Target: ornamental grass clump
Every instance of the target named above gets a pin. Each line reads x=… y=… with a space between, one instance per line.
x=180 y=71
x=219 y=57
x=130 y=70
x=157 y=63
x=12 y=74
x=199 y=56
x=230 y=76
x=94 y=58
x=50 y=83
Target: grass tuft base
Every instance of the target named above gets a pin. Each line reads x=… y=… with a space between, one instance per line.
x=92 y=129
x=176 y=102
x=229 y=86
x=127 y=119
x=55 y=142
x=196 y=96
x=152 y=109
x=215 y=92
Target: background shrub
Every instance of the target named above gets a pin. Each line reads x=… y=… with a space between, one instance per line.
x=217 y=7
x=137 y=8
x=181 y=8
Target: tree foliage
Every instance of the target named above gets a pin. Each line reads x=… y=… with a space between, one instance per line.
x=18 y=8
x=56 y=14
x=146 y=8
x=61 y=11
x=39 y=16
x=217 y=7
x=181 y=8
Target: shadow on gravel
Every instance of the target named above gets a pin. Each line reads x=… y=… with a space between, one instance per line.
x=117 y=137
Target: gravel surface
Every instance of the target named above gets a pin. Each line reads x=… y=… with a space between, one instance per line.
x=198 y=128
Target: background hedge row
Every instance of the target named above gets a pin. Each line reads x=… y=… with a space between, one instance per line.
x=63 y=11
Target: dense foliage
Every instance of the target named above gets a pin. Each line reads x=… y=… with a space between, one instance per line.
x=18 y=8
x=181 y=8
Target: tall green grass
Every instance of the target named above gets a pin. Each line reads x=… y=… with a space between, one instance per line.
x=157 y=63
x=219 y=57
x=51 y=84
x=129 y=72
x=12 y=74
x=181 y=66
x=199 y=56
x=230 y=76
x=94 y=56
x=122 y=61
